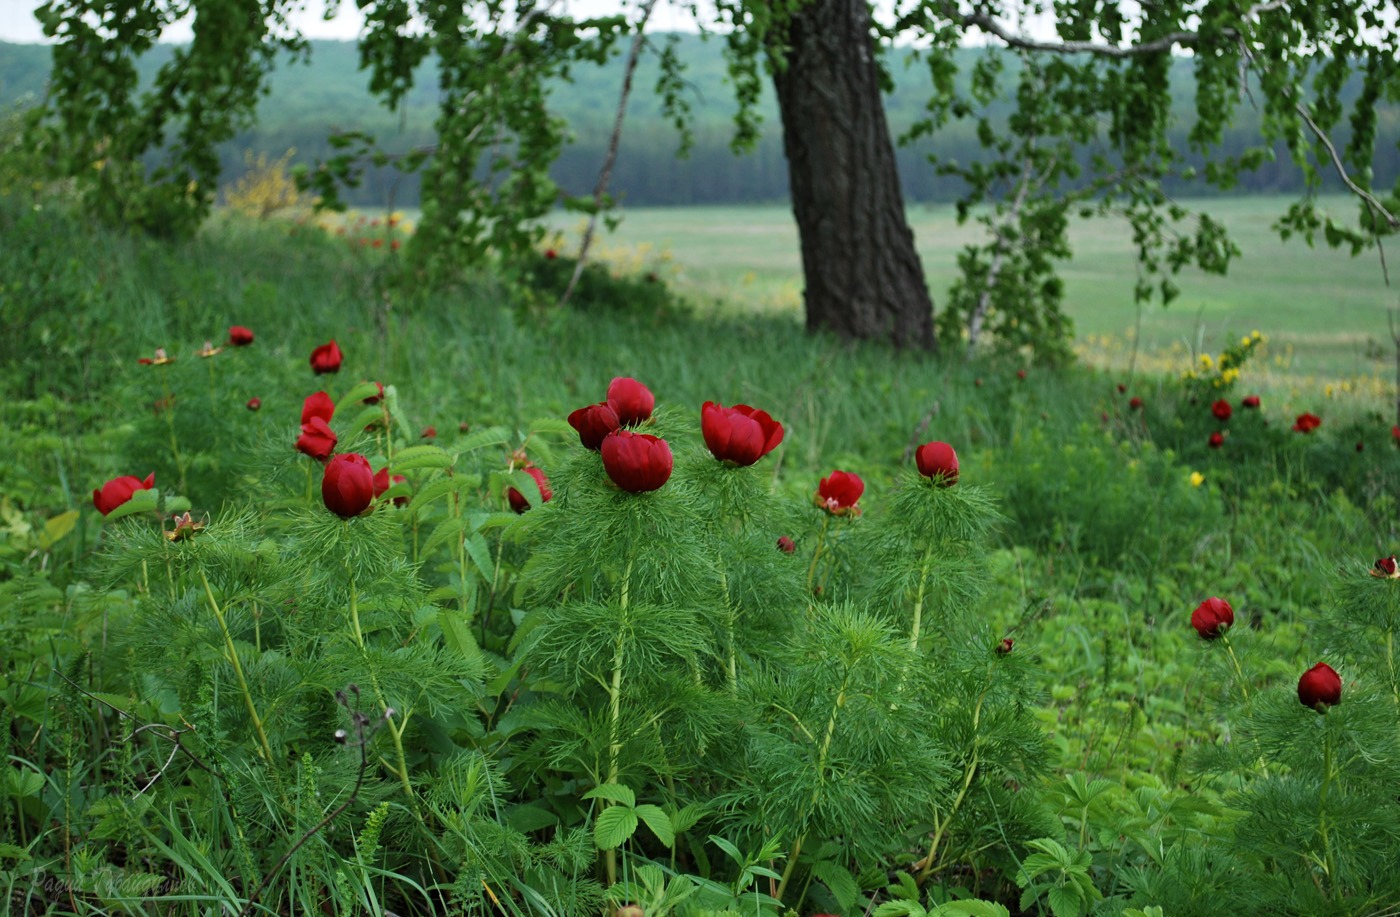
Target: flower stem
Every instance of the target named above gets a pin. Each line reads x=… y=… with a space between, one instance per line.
x=817 y=552
x=1329 y=861
x=931 y=858
x=729 y=627
x=265 y=747
x=1235 y=662
x=169 y=412
x=615 y=704
x=400 y=766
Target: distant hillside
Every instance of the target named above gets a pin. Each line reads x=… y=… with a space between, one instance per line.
x=309 y=101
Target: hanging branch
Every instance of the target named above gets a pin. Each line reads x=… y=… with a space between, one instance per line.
x=605 y=175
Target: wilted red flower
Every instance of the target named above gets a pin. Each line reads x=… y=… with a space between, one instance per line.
x=239 y=336
x=740 y=434
x=518 y=501
x=118 y=490
x=938 y=461
x=317 y=439
x=254 y=404
x=632 y=401
x=1212 y=617
x=1386 y=567
x=1217 y=439
x=1320 y=687
x=160 y=358
x=375 y=399
x=429 y=433
x=636 y=462
x=1135 y=403
x=1250 y=401
x=347 y=488
x=326 y=358
x=1306 y=422
x=838 y=492
x=1221 y=409
x=593 y=423
x=317 y=405
x=786 y=545
x=185 y=528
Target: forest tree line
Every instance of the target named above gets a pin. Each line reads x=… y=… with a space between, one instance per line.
x=308 y=102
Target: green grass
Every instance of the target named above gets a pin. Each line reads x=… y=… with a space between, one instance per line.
x=1324 y=311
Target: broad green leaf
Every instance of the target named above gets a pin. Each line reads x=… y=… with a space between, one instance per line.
x=359 y=392
x=143 y=501
x=839 y=881
x=659 y=823
x=901 y=909
x=479 y=439
x=729 y=849
x=613 y=827
x=449 y=528
x=22 y=783
x=364 y=419
x=480 y=553
x=415 y=457
x=686 y=818
x=971 y=908
x=57 y=528
x=555 y=425
x=613 y=792
x=1064 y=902
x=457 y=634
x=13 y=852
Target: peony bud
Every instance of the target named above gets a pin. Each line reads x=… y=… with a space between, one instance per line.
x=786 y=545
x=348 y=485
x=118 y=490
x=1004 y=647
x=838 y=492
x=239 y=336
x=1217 y=439
x=1320 y=688
x=254 y=404
x=1221 y=409
x=375 y=399
x=636 y=462
x=519 y=502
x=593 y=423
x=1212 y=617
x=632 y=401
x=326 y=358
x=317 y=439
x=938 y=461
x=1306 y=422
x=1251 y=402
x=317 y=405
x=741 y=434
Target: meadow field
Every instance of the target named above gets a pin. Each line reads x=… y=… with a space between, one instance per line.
x=393 y=627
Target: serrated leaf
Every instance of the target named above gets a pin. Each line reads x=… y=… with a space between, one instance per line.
x=440 y=487
x=839 y=882
x=555 y=425
x=972 y=908
x=57 y=528
x=457 y=634
x=1064 y=902
x=614 y=826
x=448 y=528
x=686 y=818
x=364 y=419
x=480 y=553
x=901 y=909
x=23 y=783
x=142 y=501
x=359 y=392
x=529 y=488
x=659 y=823
x=416 y=457
x=479 y=439
x=12 y=852
x=613 y=792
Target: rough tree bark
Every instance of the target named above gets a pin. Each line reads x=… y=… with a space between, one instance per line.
x=863 y=277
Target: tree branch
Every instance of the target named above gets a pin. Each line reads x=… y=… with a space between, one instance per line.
x=1376 y=207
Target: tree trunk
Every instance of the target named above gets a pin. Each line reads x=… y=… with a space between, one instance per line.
x=863 y=277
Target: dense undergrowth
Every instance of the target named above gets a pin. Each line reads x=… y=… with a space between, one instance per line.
x=977 y=699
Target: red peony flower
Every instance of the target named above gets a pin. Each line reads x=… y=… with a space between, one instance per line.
x=636 y=462
x=1217 y=439
x=938 y=461
x=593 y=423
x=317 y=405
x=786 y=545
x=1386 y=567
x=1212 y=617
x=1122 y=387
x=740 y=434
x=631 y=400
x=239 y=336
x=1320 y=687
x=1250 y=401
x=1221 y=409
x=550 y=254
x=118 y=490
x=254 y=404
x=348 y=485
x=383 y=482
x=326 y=358
x=1135 y=403
x=838 y=492
x=519 y=502
x=1306 y=422
x=317 y=439
x=429 y=433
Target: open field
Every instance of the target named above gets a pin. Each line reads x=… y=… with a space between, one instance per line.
x=1324 y=312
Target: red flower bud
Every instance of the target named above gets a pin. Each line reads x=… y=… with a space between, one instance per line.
x=375 y=399
x=1306 y=422
x=1217 y=439
x=1135 y=403
x=1122 y=387
x=1360 y=446
x=1221 y=409
x=326 y=358
x=1021 y=374
x=1386 y=567
x=838 y=492
x=348 y=485
x=118 y=490
x=1004 y=647
x=636 y=462
x=1212 y=617
x=593 y=423
x=317 y=439
x=1395 y=435
x=786 y=545
x=1251 y=402
x=254 y=404
x=938 y=461
x=632 y=401
x=383 y=482
x=239 y=336
x=429 y=433
x=519 y=502
x=317 y=405
x=740 y=434
x=1320 y=687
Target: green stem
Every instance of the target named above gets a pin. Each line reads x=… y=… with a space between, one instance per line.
x=1329 y=862
x=1235 y=662
x=1390 y=661
x=615 y=704
x=729 y=627
x=169 y=412
x=930 y=860
x=400 y=767
x=266 y=748
x=817 y=552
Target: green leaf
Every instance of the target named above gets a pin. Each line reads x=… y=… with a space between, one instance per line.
x=659 y=823
x=613 y=792
x=23 y=783
x=364 y=419
x=614 y=826
x=438 y=488
x=57 y=528
x=415 y=457
x=480 y=553
x=449 y=528
x=479 y=439
x=143 y=501
x=686 y=818
x=839 y=881
x=901 y=909
x=729 y=849
x=1064 y=902
x=12 y=852
x=556 y=425
x=971 y=908
x=457 y=634
x=359 y=392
